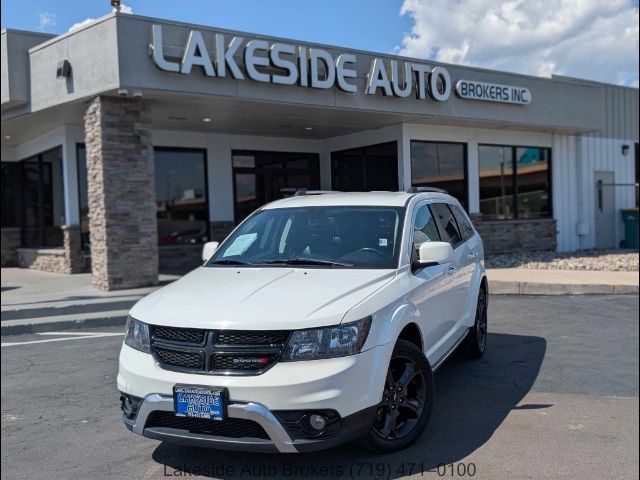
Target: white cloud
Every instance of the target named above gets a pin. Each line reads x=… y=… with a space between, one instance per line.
x=582 y=38
x=123 y=9
x=46 y=20
x=84 y=22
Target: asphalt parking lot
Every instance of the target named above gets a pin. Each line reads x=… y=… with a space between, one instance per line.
x=556 y=396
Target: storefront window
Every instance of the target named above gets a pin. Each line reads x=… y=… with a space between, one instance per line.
x=532 y=180
x=365 y=169
x=441 y=165
x=33 y=198
x=181 y=196
x=259 y=177
x=495 y=166
x=514 y=182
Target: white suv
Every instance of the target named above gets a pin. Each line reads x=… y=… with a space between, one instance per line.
x=318 y=321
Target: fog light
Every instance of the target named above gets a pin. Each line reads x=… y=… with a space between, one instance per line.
x=317 y=422
x=129 y=405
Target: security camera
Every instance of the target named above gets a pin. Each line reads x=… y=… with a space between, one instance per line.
x=116 y=4
x=137 y=95
x=123 y=92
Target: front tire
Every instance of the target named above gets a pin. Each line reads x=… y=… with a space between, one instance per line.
x=475 y=343
x=407 y=401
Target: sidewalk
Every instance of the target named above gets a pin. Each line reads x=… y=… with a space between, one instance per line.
x=526 y=281
x=35 y=301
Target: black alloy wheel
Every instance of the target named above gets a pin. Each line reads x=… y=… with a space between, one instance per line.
x=406 y=403
x=476 y=342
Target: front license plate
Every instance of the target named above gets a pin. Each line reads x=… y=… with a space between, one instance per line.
x=199 y=402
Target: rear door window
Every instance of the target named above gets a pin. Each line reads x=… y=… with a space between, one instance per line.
x=466 y=230
x=446 y=224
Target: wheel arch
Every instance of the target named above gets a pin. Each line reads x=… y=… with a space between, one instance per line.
x=411 y=332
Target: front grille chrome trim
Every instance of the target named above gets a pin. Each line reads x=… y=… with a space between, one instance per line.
x=247 y=411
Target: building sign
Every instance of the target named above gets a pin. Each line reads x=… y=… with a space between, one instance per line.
x=288 y=64
x=492 y=92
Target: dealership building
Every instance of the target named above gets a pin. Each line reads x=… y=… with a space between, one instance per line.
x=130 y=141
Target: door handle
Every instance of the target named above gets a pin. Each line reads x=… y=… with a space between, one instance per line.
x=451 y=270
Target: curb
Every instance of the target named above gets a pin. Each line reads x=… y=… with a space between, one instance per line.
x=16 y=328
x=501 y=287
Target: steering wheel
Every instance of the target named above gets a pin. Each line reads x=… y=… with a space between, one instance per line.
x=372 y=250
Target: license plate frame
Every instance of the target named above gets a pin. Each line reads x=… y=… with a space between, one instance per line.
x=181 y=405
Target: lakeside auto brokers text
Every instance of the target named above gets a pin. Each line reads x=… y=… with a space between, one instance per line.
x=287 y=64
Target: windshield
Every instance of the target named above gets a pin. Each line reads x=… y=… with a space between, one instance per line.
x=323 y=237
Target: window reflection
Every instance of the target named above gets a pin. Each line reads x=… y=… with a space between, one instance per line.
x=514 y=182
x=495 y=166
x=181 y=197
x=533 y=182
x=440 y=165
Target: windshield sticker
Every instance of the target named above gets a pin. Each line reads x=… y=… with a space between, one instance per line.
x=382 y=242
x=240 y=244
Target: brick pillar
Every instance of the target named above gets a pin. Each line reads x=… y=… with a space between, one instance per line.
x=121 y=191
x=72 y=244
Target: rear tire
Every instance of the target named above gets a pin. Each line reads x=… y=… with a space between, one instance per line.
x=474 y=345
x=407 y=401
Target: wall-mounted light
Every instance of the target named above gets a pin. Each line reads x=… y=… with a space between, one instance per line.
x=7 y=137
x=625 y=150
x=64 y=69
x=206 y=119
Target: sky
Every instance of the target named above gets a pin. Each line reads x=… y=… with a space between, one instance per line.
x=592 y=39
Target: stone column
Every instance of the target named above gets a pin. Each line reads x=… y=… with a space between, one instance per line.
x=72 y=244
x=121 y=191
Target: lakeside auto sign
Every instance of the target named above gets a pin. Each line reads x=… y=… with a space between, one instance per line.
x=288 y=64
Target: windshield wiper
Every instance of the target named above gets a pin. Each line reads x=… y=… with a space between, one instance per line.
x=308 y=261
x=229 y=262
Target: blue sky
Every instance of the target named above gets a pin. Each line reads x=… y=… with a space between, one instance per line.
x=593 y=39
x=368 y=25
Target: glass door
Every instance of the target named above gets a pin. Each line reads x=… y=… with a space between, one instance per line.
x=259 y=177
x=366 y=169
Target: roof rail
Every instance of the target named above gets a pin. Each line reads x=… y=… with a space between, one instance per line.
x=426 y=189
x=299 y=191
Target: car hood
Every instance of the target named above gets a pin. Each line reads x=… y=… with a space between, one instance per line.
x=260 y=298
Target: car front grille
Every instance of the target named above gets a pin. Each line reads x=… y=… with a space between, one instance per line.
x=227 y=352
x=229 y=427
x=176 y=358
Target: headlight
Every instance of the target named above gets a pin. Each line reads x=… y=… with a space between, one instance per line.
x=328 y=342
x=137 y=335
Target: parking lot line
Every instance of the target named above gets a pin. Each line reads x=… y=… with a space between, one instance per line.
x=75 y=336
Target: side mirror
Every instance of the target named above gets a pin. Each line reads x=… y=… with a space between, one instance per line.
x=434 y=253
x=208 y=249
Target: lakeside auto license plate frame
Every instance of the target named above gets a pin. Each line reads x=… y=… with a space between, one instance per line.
x=181 y=407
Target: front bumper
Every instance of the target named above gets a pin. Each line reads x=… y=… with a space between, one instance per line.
x=353 y=427
x=350 y=386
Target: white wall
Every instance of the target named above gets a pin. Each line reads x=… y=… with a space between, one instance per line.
x=575 y=159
